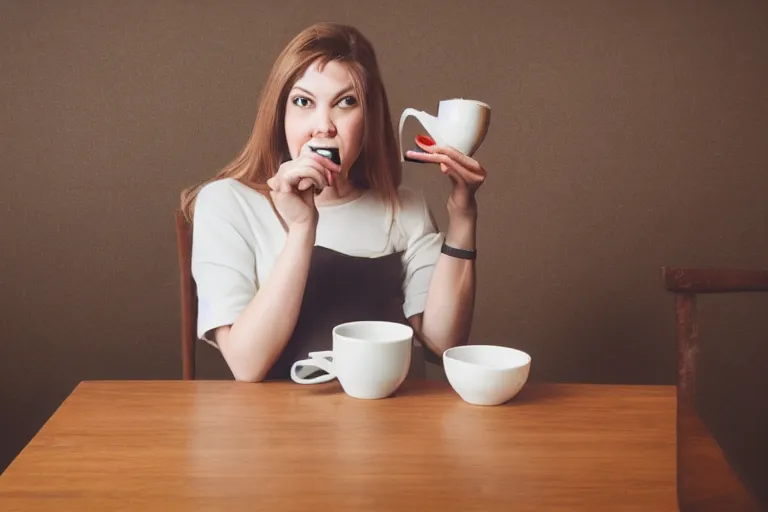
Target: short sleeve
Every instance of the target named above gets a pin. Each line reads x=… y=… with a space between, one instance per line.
x=421 y=253
x=223 y=259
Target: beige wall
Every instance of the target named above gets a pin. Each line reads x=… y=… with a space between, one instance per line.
x=625 y=136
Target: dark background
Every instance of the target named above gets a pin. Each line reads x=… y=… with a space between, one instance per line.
x=625 y=136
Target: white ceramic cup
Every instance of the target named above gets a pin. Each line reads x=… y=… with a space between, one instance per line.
x=486 y=374
x=370 y=358
x=460 y=123
x=463 y=123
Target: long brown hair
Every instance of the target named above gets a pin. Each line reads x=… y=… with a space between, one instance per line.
x=378 y=166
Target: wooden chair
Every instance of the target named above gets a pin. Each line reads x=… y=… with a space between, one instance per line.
x=188 y=296
x=705 y=479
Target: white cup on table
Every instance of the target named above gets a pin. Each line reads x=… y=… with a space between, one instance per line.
x=369 y=358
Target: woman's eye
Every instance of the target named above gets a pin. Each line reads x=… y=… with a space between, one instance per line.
x=348 y=101
x=301 y=101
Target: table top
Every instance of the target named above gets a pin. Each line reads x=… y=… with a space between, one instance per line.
x=219 y=445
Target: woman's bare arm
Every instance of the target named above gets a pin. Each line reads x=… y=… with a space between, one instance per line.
x=252 y=344
x=447 y=318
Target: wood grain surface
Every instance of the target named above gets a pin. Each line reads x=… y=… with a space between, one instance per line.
x=223 y=445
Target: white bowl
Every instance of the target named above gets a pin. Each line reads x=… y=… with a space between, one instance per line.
x=486 y=374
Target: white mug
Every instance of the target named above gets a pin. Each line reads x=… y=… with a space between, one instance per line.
x=369 y=358
x=460 y=123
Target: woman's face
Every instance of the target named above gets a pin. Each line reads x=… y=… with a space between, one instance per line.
x=323 y=110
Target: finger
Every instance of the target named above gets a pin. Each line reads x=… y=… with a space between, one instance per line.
x=323 y=167
x=308 y=196
x=304 y=168
x=420 y=156
x=455 y=178
x=328 y=166
x=312 y=171
x=325 y=162
x=279 y=184
x=305 y=184
x=315 y=162
x=305 y=150
x=467 y=161
x=472 y=178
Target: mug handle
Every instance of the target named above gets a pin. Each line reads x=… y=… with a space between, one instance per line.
x=316 y=360
x=424 y=119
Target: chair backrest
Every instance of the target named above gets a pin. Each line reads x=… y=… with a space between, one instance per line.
x=706 y=480
x=188 y=296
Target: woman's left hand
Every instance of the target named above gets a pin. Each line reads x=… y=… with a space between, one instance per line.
x=465 y=173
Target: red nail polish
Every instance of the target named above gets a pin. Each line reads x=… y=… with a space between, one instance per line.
x=426 y=141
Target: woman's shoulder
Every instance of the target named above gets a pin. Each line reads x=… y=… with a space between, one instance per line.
x=415 y=215
x=228 y=188
x=228 y=195
x=409 y=195
x=413 y=203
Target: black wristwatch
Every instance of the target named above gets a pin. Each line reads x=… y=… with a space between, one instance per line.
x=464 y=254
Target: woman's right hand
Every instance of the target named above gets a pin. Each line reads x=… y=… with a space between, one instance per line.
x=294 y=185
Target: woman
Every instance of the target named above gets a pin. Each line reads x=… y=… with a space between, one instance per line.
x=287 y=244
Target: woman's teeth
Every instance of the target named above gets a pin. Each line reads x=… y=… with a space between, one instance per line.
x=331 y=154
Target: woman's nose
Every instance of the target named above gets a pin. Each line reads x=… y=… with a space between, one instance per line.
x=323 y=123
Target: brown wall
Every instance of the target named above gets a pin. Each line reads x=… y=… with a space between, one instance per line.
x=625 y=136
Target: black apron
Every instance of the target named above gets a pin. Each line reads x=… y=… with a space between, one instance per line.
x=341 y=288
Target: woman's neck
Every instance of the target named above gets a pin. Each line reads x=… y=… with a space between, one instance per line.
x=341 y=191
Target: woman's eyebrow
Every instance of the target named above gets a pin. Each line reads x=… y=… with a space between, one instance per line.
x=338 y=94
x=344 y=91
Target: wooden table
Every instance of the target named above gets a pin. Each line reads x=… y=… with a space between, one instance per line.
x=186 y=445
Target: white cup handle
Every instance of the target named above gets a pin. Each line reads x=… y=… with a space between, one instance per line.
x=316 y=360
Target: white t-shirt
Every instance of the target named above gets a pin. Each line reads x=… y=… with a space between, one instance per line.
x=237 y=238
